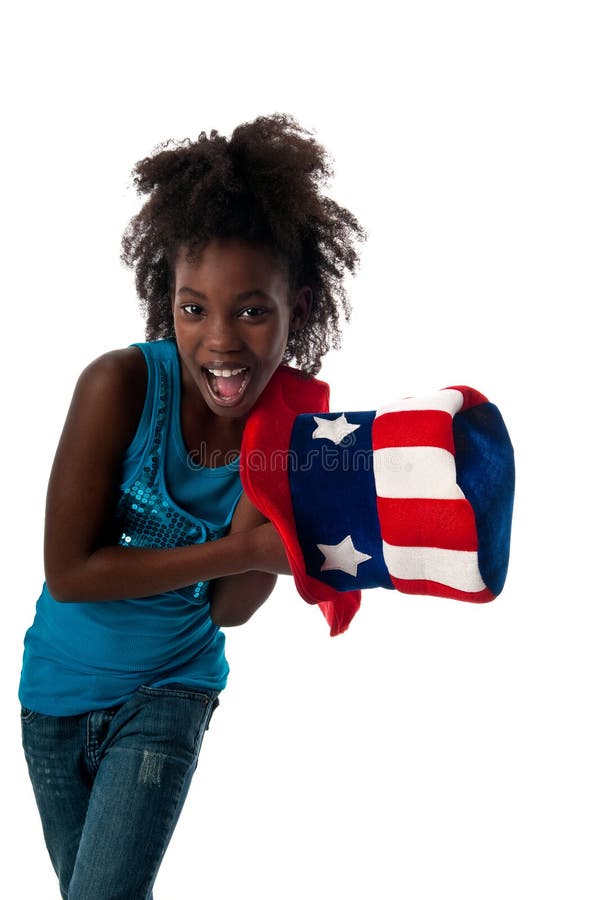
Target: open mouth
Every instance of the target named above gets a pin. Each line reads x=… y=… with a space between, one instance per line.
x=227 y=386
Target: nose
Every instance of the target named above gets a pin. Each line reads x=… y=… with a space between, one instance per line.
x=222 y=335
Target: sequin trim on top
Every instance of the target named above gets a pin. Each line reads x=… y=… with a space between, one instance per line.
x=147 y=517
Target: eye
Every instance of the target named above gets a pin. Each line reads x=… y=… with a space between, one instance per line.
x=253 y=312
x=192 y=309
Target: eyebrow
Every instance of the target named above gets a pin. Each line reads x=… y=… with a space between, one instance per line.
x=239 y=298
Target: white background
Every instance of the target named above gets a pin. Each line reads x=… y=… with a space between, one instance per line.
x=437 y=749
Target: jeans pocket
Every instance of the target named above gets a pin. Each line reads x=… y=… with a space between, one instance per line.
x=211 y=712
x=177 y=712
x=28 y=715
x=174 y=690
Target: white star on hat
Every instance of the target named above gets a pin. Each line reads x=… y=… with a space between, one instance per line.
x=343 y=556
x=333 y=429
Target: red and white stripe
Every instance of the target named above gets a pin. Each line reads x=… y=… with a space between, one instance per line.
x=429 y=534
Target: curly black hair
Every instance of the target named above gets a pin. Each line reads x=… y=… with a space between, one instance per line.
x=263 y=185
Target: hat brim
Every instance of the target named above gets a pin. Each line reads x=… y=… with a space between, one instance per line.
x=264 y=465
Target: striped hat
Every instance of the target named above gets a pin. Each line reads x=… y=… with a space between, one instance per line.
x=416 y=496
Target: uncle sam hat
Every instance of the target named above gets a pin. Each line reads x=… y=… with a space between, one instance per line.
x=416 y=496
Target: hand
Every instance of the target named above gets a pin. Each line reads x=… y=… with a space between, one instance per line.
x=270 y=554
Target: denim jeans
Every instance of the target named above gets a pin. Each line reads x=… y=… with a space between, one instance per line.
x=110 y=786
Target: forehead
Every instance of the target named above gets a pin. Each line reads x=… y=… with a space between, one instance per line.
x=231 y=264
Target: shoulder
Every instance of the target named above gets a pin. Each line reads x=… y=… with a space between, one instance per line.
x=116 y=365
x=115 y=384
x=129 y=366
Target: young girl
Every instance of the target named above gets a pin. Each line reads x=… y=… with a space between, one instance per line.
x=150 y=545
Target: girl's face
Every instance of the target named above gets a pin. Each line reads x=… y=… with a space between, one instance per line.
x=232 y=312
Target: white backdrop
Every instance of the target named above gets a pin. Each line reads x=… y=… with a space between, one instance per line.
x=437 y=749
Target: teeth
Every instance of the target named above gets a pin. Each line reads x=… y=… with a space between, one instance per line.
x=225 y=373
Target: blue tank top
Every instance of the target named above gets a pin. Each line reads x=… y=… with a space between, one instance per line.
x=84 y=656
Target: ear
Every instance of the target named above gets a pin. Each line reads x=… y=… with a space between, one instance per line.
x=301 y=308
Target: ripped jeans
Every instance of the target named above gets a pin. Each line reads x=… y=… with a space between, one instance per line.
x=110 y=786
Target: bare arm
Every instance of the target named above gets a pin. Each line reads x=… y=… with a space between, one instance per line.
x=235 y=598
x=80 y=564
